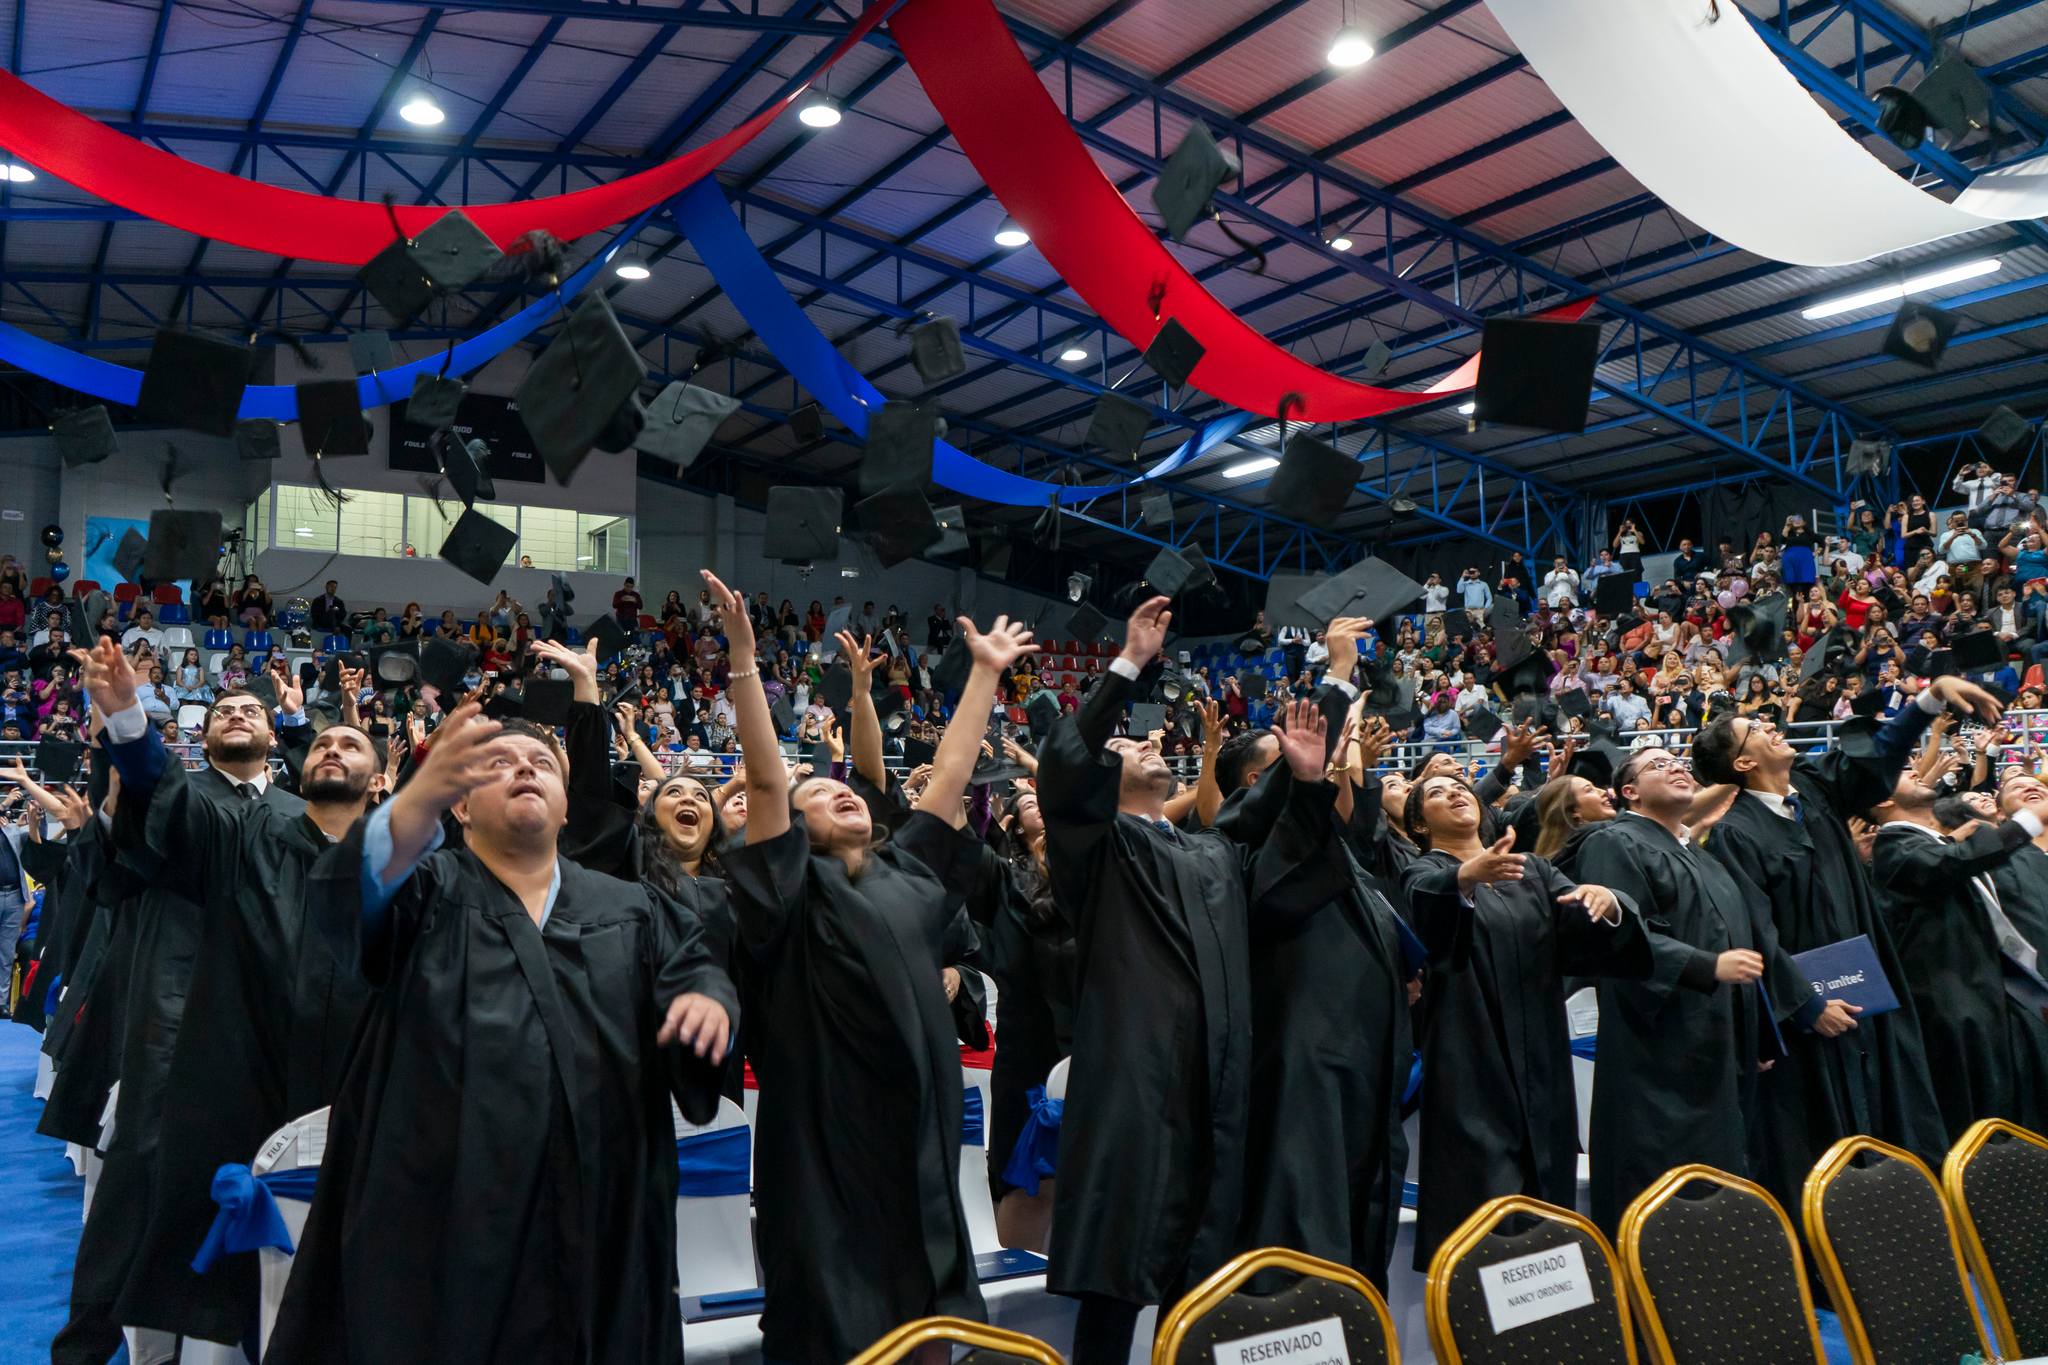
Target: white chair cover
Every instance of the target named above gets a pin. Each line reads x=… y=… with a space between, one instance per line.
x=1056 y=1080
x=296 y=1146
x=715 y=1234
x=46 y=1075
x=178 y=637
x=1582 y=1014
x=975 y=1199
x=191 y=716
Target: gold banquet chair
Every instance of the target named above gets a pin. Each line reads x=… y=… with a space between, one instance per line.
x=1588 y=1320
x=1715 y=1271
x=1216 y=1315
x=987 y=1345
x=1996 y=1179
x=1888 y=1254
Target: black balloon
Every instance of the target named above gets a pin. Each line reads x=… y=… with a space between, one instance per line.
x=53 y=535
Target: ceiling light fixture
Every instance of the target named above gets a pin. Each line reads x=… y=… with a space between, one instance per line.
x=421 y=111
x=1467 y=409
x=631 y=268
x=1912 y=284
x=1073 y=354
x=1248 y=468
x=1340 y=243
x=1009 y=233
x=820 y=111
x=16 y=173
x=1349 y=48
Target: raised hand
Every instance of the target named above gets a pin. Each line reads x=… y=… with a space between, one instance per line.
x=1020 y=755
x=1145 y=631
x=732 y=609
x=1499 y=863
x=1341 y=639
x=291 y=693
x=698 y=1023
x=1518 y=743
x=108 y=676
x=458 y=760
x=1301 y=729
x=834 y=740
x=1373 y=738
x=1002 y=646
x=1972 y=698
x=860 y=658
x=1211 y=712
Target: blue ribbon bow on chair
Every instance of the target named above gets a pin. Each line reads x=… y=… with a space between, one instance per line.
x=248 y=1217
x=1586 y=1047
x=1036 y=1156
x=971 y=1131
x=712 y=1164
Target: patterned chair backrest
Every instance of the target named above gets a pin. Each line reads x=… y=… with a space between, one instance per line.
x=1888 y=1253
x=1561 y=1299
x=1716 y=1273
x=1330 y=1310
x=1996 y=1179
x=990 y=1345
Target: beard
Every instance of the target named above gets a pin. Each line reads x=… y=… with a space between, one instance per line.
x=331 y=789
x=247 y=750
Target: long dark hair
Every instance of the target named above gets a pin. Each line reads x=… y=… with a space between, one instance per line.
x=661 y=867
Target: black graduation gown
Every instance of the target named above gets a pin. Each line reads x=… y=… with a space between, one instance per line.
x=1678 y=1051
x=1033 y=957
x=82 y=1045
x=1331 y=1046
x=2022 y=885
x=1498 y=1111
x=47 y=861
x=857 y=1142
x=499 y=1181
x=1872 y=1079
x=274 y=1005
x=1152 y=1140
x=1984 y=1049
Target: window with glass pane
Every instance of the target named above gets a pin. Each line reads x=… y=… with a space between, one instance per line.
x=607 y=543
x=259 y=529
x=549 y=535
x=305 y=519
x=373 y=524
x=427 y=523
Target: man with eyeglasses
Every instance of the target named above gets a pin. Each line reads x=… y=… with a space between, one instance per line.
x=1788 y=834
x=1680 y=1052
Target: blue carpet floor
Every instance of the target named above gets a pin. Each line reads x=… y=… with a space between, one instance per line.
x=39 y=1210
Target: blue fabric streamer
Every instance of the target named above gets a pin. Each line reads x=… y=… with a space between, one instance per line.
x=1414 y=1081
x=248 y=1217
x=971 y=1132
x=1036 y=1156
x=709 y=1165
x=280 y=402
x=733 y=260
x=1585 y=1047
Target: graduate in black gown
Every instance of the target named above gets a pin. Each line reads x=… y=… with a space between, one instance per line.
x=1503 y=930
x=500 y=1174
x=2021 y=882
x=1787 y=833
x=1985 y=1048
x=1679 y=1050
x=274 y=1001
x=839 y=960
x=153 y=946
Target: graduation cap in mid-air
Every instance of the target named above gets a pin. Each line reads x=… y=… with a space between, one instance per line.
x=467 y=464
x=610 y=636
x=1187 y=183
x=680 y=420
x=1371 y=587
x=182 y=545
x=395 y=665
x=449 y=253
x=898 y=452
x=1376 y=357
x=1146 y=716
x=1511 y=643
x=1175 y=571
x=331 y=418
x=370 y=352
x=84 y=616
x=1117 y=425
x=435 y=401
x=446 y=663
x=802 y=524
x=258 y=438
x=1870 y=701
x=1252 y=684
x=1173 y=353
x=897 y=524
x=952 y=523
x=478 y=546
x=1919 y=333
x=194 y=382
x=1977 y=650
x=949 y=672
x=1759 y=629
x=1086 y=624
x=1042 y=712
x=807 y=423
x=57 y=759
x=935 y=350
x=2004 y=432
x=837 y=686
x=783 y=714
x=1481 y=724
x=84 y=435
x=577 y=385
x=1283 y=601
x=1537 y=374
x=129 y=553
x=1598 y=760
x=1615 y=593
x=1155 y=510
x=1313 y=482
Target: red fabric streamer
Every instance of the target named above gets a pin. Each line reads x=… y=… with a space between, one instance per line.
x=159 y=185
x=997 y=109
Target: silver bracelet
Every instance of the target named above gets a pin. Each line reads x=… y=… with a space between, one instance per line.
x=737 y=674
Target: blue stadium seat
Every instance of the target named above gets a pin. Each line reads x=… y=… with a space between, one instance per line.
x=257 y=640
x=218 y=639
x=173 y=614
x=334 y=644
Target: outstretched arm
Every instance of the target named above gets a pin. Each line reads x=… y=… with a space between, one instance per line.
x=953 y=764
x=865 y=741
x=767 y=779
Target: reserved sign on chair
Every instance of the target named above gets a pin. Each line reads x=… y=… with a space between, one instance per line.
x=1537 y=1286
x=1308 y=1343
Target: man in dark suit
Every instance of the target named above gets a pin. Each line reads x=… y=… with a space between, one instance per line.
x=330 y=613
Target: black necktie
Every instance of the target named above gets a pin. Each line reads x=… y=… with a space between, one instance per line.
x=246 y=790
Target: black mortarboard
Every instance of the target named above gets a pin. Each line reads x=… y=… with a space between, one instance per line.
x=1042 y=711
x=395 y=665
x=1252 y=684
x=897 y=523
x=1598 y=760
x=1174 y=353
x=783 y=715
x=898 y=453
x=257 y=438
x=1481 y=724
x=1573 y=702
x=370 y=352
x=1536 y=374
x=1155 y=510
x=449 y=253
x=1283 y=601
x=949 y=674
x=443 y=664
x=129 y=554
x=623 y=427
x=2004 y=432
x=1816 y=658
x=1189 y=180
x=802 y=524
x=681 y=419
x=1510 y=635
x=574 y=388
x=548 y=700
x=478 y=546
x=1614 y=593
x=565 y=593
x=1977 y=649
x=918 y=752
x=935 y=350
x=1759 y=629
x=85 y=612
x=194 y=382
x=1118 y=426
x=836 y=687
x=331 y=418
x=435 y=401
x=85 y=435
x=1371 y=587
x=888 y=701
x=1146 y=716
x=1174 y=572
x=1086 y=624
x=1919 y=333
x=468 y=467
x=1528 y=674
x=57 y=759
x=1869 y=701
x=1856 y=736
x=182 y=545
x=1313 y=481
x=952 y=524
x=610 y=636
x=807 y=423
x=990 y=769
x=1400 y=722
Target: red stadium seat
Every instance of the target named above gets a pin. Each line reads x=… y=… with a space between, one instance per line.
x=163 y=594
x=84 y=586
x=38 y=586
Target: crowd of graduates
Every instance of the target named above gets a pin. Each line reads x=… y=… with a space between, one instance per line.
x=481 y=914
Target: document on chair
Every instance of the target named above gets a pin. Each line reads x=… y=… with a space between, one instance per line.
x=1540 y=1285
x=1304 y=1343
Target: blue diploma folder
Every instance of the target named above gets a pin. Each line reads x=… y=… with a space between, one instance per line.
x=1848 y=971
